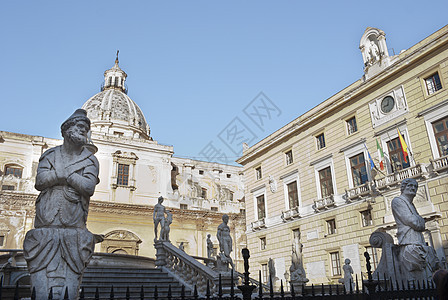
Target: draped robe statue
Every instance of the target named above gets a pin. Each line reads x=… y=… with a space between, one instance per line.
x=60 y=247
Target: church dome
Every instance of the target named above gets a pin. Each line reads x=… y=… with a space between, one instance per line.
x=112 y=112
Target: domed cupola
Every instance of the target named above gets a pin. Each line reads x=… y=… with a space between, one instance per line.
x=112 y=112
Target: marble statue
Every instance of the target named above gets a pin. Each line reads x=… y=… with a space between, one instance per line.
x=209 y=246
x=225 y=245
x=348 y=277
x=59 y=248
x=271 y=267
x=159 y=217
x=418 y=260
x=297 y=271
x=373 y=53
x=165 y=230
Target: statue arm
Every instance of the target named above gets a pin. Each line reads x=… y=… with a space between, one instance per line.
x=405 y=215
x=85 y=183
x=46 y=175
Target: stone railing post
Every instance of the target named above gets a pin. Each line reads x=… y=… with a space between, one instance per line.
x=160 y=254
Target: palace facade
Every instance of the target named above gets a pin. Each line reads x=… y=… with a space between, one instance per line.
x=325 y=181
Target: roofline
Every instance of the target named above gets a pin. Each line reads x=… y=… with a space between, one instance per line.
x=346 y=94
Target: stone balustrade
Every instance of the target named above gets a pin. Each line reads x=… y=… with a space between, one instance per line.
x=259 y=224
x=185 y=268
x=359 y=191
x=290 y=214
x=324 y=203
x=440 y=164
x=396 y=177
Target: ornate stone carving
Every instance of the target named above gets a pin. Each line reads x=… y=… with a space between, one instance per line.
x=272 y=184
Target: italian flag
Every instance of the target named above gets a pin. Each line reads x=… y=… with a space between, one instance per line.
x=404 y=147
x=380 y=155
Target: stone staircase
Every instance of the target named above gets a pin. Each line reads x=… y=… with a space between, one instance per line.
x=104 y=278
x=104 y=271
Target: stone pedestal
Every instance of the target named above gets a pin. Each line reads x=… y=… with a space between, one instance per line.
x=298 y=285
x=160 y=254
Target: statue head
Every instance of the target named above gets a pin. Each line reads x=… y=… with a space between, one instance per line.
x=225 y=218
x=76 y=127
x=209 y=235
x=409 y=187
x=160 y=199
x=347 y=261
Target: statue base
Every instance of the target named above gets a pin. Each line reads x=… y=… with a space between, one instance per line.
x=160 y=254
x=298 y=284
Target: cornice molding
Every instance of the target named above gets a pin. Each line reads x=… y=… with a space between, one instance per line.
x=389 y=128
x=361 y=141
x=432 y=108
x=321 y=159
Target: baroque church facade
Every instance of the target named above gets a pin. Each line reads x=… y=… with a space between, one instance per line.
x=323 y=183
x=134 y=171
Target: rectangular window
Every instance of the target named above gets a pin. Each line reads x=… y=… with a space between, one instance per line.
x=183 y=206
x=335 y=264
x=213 y=208
x=258 y=173
x=396 y=155
x=293 y=196
x=373 y=257
x=8 y=187
x=123 y=174
x=14 y=171
x=320 y=140
x=264 y=273
x=229 y=175
x=201 y=172
x=331 y=226
x=359 y=169
x=289 y=158
x=441 y=134
x=366 y=217
x=261 y=209
x=204 y=193
x=242 y=211
x=433 y=83
x=263 y=243
x=351 y=126
x=2 y=240
x=326 y=182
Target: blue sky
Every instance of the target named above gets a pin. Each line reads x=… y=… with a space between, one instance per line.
x=193 y=66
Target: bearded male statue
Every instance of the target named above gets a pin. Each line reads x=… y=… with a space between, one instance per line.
x=59 y=248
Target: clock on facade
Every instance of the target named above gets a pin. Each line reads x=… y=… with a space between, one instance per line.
x=387 y=104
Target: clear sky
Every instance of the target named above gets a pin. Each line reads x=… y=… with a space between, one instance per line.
x=193 y=66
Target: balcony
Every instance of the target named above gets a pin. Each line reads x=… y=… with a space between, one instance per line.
x=258 y=225
x=291 y=214
x=396 y=177
x=440 y=164
x=358 y=191
x=323 y=204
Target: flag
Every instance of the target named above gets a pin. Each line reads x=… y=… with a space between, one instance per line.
x=372 y=165
x=380 y=155
x=404 y=147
